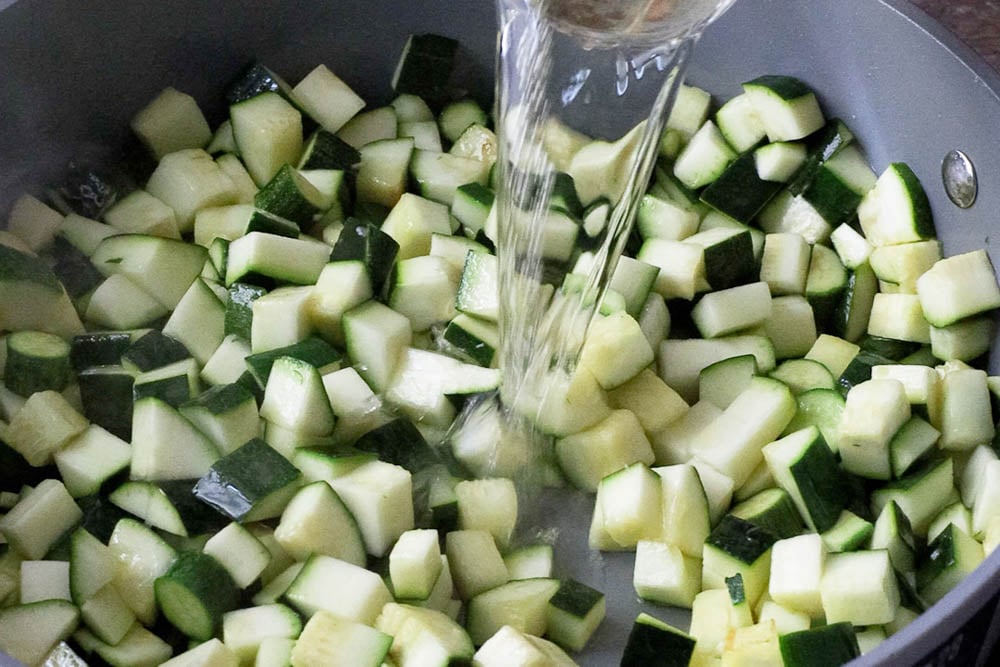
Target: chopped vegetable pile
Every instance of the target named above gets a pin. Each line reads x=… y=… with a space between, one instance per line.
x=228 y=394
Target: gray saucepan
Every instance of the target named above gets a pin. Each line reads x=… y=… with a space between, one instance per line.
x=72 y=72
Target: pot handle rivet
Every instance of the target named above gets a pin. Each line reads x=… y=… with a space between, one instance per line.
x=959 y=176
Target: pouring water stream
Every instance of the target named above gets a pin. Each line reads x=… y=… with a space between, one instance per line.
x=569 y=71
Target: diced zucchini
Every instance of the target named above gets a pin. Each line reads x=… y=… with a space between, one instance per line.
x=189 y=180
x=509 y=646
x=383 y=170
x=892 y=532
x=376 y=336
x=785 y=106
x=343 y=589
x=171 y=122
x=804 y=466
x=330 y=640
x=239 y=552
x=317 y=521
x=739 y=547
x=226 y=413
x=849 y=533
x=950 y=557
x=728 y=311
x=733 y=442
x=44 y=425
x=920 y=494
x=521 y=604
x=475 y=562
x=44 y=580
x=424 y=67
x=651 y=641
x=380 y=497
x=166 y=445
x=36 y=361
x=194 y=593
x=32 y=298
x=33 y=223
x=681 y=360
x=859 y=587
x=107 y=615
x=165 y=268
x=370 y=126
x=29 y=631
x=212 y=652
x=957 y=287
x=418 y=631
x=142 y=556
x=244 y=630
x=588 y=456
x=268 y=132
x=704 y=158
x=896 y=210
x=250 y=483
x=325 y=97
x=325 y=150
x=40 y=518
x=874 y=411
x=772 y=509
x=260 y=256
x=665 y=575
x=528 y=562
x=616 y=350
x=739 y=191
x=835 y=642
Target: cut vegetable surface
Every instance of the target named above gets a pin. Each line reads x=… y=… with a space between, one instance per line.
x=263 y=426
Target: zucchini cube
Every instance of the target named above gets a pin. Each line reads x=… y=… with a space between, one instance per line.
x=653 y=642
x=412 y=627
x=29 y=631
x=859 y=587
x=736 y=546
x=40 y=518
x=348 y=591
x=796 y=573
x=874 y=411
x=804 y=466
x=665 y=575
x=194 y=593
x=337 y=642
x=380 y=496
x=475 y=562
x=616 y=350
x=574 y=613
x=631 y=502
x=490 y=505
x=950 y=557
x=251 y=483
x=243 y=630
x=415 y=564
x=836 y=642
x=617 y=441
x=521 y=604
x=171 y=122
x=509 y=647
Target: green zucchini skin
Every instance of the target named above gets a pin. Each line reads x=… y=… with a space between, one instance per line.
x=36 y=361
x=240 y=481
x=194 y=594
x=833 y=644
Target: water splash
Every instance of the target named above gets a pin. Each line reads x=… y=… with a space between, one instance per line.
x=576 y=80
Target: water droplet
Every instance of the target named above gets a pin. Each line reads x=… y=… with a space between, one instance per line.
x=959 y=176
x=576 y=83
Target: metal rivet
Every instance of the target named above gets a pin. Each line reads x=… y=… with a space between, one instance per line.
x=959 y=176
